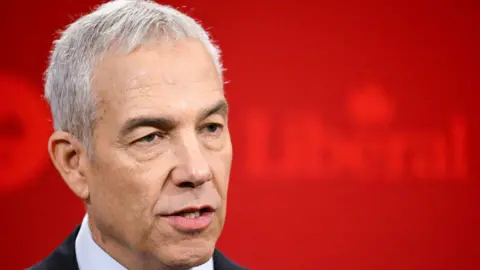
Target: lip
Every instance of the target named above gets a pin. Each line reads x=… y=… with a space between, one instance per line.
x=202 y=208
x=183 y=224
x=189 y=225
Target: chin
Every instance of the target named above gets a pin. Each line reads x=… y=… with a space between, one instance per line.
x=188 y=255
x=184 y=250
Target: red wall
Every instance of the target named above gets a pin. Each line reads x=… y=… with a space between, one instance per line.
x=355 y=129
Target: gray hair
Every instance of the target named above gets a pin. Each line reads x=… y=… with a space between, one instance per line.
x=122 y=25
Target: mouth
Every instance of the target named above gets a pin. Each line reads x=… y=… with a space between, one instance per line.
x=193 y=212
x=191 y=219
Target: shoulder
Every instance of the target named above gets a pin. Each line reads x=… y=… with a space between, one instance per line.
x=221 y=262
x=61 y=258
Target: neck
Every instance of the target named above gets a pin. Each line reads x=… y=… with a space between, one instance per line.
x=125 y=255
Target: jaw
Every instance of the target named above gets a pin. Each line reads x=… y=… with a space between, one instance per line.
x=180 y=250
x=158 y=243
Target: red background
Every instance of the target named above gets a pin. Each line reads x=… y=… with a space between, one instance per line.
x=355 y=128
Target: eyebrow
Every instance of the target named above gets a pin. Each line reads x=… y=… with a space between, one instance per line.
x=162 y=123
x=166 y=124
x=221 y=108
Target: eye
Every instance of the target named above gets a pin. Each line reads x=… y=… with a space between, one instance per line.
x=150 y=138
x=213 y=129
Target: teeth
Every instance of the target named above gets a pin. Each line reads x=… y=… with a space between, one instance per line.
x=192 y=214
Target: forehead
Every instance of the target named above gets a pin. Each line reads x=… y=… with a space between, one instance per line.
x=158 y=78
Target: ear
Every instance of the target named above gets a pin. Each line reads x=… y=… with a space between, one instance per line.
x=71 y=160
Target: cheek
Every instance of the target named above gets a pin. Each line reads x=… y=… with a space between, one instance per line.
x=126 y=188
x=221 y=164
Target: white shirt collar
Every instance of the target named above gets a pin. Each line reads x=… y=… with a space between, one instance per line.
x=92 y=257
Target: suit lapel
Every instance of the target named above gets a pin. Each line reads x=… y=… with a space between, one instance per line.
x=64 y=258
x=221 y=262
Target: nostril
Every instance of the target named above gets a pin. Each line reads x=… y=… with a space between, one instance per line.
x=187 y=184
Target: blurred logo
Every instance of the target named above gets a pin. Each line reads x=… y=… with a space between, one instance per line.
x=24 y=132
x=302 y=146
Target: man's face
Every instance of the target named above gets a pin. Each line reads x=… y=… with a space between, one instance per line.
x=162 y=145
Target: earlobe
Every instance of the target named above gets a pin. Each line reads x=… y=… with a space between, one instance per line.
x=68 y=154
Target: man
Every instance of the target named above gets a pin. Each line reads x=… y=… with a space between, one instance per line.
x=141 y=136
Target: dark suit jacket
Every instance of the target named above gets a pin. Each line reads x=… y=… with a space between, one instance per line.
x=64 y=258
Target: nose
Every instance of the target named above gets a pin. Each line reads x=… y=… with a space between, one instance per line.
x=192 y=169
